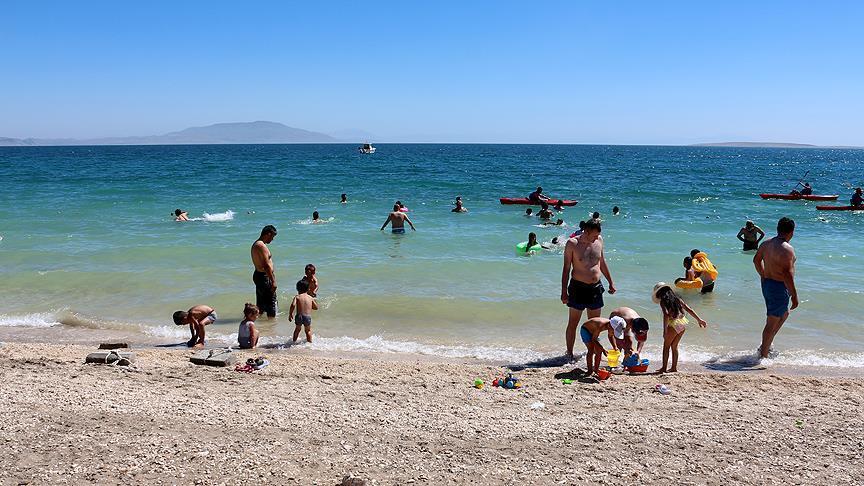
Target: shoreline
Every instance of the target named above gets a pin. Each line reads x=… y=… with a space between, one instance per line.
x=313 y=420
x=734 y=365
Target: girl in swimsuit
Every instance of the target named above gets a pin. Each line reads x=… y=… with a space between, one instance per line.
x=674 y=322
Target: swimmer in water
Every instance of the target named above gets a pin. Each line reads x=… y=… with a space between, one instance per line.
x=397 y=220
x=459 y=207
x=615 y=211
x=316 y=218
x=344 y=199
x=596 y=217
x=545 y=212
x=560 y=222
x=529 y=212
x=559 y=206
x=750 y=235
x=180 y=215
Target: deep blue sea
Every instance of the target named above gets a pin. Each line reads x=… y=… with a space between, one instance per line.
x=88 y=243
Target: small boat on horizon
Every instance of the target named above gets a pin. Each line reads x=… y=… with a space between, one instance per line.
x=366 y=148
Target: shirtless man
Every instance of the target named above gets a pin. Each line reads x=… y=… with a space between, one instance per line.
x=750 y=235
x=264 y=278
x=397 y=220
x=180 y=215
x=775 y=264
x=537 y=196
x=584 y=262
x=637 y=326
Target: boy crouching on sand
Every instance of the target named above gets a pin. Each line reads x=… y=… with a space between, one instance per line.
x=590 y=332
x=197 y=317
x=247 y=335
x=303 y=304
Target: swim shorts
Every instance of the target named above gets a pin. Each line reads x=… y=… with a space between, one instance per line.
x=581 y=295
x=211 y=316
x=303 y=320
x=265 y=296
x=707 y=289
x=398 y=231
x=776 y=297
x=750 y=245
x=586 y=335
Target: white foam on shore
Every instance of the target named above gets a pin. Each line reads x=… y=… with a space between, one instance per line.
x=38 y=319
x=377 y=344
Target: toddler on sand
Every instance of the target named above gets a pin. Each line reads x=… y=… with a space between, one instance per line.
x=303 y=304
x=674 y=321
x=247 y=335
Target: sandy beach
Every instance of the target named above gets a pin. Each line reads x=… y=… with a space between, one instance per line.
x=312 y=419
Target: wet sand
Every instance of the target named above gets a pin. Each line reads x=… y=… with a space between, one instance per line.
x=310 y=419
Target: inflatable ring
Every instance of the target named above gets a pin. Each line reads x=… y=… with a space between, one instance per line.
x=689 y=284
x=403 y=210
x=521 y=248
x=701 y=264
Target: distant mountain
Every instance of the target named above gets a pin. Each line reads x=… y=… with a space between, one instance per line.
x=757 y=144
x=220 y=133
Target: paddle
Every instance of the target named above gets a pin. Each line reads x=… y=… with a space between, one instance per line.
x=800 y=180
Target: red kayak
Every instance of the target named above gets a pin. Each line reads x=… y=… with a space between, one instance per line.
x=526 y=201
x=840 y=208
x=799 y=197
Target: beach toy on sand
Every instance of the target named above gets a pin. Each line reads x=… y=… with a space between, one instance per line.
x=612 y=357
x=566 y=381
x=478 y=384
x=662 y=389
x=637 y=368
x=603 y=374
x=632 y=360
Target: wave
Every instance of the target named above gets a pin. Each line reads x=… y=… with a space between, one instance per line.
x=39 y=319
x=216 y=217
x=320 y=220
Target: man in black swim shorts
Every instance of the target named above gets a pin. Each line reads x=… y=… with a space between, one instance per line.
x=581 y=289
x=264 y=276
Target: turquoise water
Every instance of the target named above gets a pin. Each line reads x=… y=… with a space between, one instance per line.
x=88 y=242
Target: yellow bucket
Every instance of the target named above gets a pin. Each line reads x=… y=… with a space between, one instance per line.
x=612 y=357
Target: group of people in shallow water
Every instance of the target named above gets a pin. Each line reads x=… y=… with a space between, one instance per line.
x=581 y=291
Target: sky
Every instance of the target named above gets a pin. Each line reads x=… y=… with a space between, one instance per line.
x=453 y=72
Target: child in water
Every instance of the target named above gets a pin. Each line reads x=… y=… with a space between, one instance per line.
x=674 y=322
x=689 y=273
x=311 y=279
x=303 y=304
x=196 y=317
x=247 y=335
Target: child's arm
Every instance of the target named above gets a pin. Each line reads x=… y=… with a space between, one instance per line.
x=199 y=330
x=314 y=304
x=291 y=309
x=612 y=339
x=701 y=321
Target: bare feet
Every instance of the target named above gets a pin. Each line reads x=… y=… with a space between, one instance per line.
x=673 y=370
x=660 y=371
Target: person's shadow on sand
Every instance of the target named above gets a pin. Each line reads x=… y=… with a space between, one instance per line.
x=735 y=363
x=553 y=362
x=576 y=374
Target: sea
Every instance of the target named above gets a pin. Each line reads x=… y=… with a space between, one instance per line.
x=90 y=247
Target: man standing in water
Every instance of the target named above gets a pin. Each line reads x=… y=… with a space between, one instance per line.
x=397 y=220
x=775 y=264
x=581 y=288
x=264 y=277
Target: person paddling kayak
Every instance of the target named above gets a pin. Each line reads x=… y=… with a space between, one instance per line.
x=857 y=198
x=537 y=196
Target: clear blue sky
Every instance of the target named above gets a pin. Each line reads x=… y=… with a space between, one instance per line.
x=497 y=71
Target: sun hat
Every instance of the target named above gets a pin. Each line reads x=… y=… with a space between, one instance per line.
x=657 y=287
x=618 y=325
